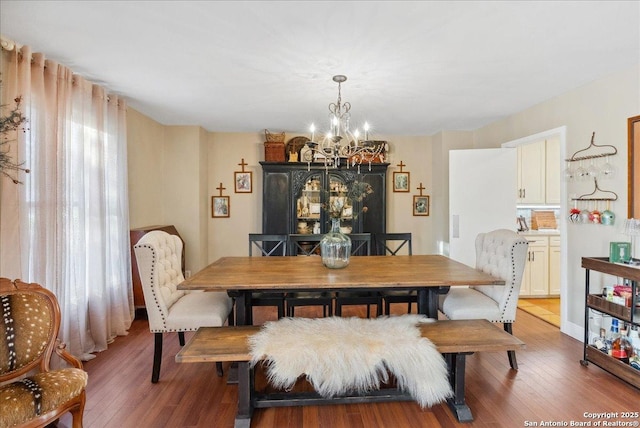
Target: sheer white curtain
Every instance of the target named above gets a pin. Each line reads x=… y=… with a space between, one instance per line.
x=67 y=227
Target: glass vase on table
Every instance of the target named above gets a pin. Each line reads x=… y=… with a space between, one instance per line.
x=335 y=247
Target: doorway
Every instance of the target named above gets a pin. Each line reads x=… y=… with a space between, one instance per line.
x=550 y=308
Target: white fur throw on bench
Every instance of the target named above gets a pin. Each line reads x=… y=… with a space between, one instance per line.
x=339 y=355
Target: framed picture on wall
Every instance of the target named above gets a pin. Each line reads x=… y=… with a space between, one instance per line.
x=421 y=205
x=634 y=167
x=243 y=181
x=220 y=206
x=400 y=181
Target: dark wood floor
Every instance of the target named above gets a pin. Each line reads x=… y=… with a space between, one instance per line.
x=551 y=385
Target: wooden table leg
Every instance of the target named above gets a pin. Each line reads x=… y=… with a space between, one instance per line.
x=423 y=301
x=243 y=300
x=245 y=388
x=458 y=406
x=243 y=317
x=428 y=302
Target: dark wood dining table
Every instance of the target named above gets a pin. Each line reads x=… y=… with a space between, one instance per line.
x=429 y=275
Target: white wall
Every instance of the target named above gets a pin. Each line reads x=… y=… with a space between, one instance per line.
x=181 y=190
x=603 y=107
x=416 y=154
x=145 y=152
x=228 y=236
x=174 y=171
x=166 y=185
x=443 y=142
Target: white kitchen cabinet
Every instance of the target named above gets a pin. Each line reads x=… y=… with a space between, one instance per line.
x=553 y=166
x=535 y=280
x=539 y=172
x=531 y=176
x=541 y=276
x=554 y=265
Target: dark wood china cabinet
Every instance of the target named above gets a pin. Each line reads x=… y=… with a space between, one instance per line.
x=293 y=194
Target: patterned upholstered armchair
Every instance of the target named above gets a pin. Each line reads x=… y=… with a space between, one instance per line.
x=170 y=310
x=501 y=253
x=29 y=326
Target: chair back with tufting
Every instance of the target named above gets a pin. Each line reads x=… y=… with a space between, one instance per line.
x=501 y=253
x=159 y=258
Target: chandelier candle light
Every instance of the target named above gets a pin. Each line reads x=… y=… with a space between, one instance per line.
x=340 y=142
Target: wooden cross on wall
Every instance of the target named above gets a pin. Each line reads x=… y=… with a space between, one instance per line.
x=421 y=188
x=243 y=180
x=242 y=165
x=401 y=165
x=220 y=188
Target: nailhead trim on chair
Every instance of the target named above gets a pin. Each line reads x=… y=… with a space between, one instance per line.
x=513 y=279
x=155 y=298
x=153 y=289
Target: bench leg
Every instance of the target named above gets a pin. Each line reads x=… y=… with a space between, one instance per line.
x=458 y=406
x=245 y=405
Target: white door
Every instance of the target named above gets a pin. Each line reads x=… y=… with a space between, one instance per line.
x=482 y=197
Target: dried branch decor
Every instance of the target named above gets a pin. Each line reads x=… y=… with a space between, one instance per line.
x=9 y=125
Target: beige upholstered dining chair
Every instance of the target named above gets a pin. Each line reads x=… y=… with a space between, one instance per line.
x=170 y=310
x=501 y=253
x=32 y=394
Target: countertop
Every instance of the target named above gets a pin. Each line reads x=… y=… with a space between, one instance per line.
x=543 y=232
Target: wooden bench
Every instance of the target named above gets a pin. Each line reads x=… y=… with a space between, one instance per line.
x=455 y=339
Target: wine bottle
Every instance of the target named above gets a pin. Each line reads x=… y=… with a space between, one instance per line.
x=634 y=337
x=612 y=335
x=621 y=348
x=600 y=342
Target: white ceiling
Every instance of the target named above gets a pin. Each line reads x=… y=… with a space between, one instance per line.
x=413 y=67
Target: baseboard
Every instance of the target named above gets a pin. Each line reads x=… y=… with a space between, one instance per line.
x=574 y=330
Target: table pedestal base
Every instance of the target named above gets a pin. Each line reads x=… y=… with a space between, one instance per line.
x=249 y=399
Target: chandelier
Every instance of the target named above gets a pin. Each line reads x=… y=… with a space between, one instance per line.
x=340 y=143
